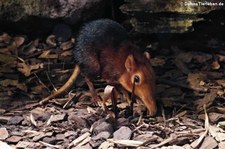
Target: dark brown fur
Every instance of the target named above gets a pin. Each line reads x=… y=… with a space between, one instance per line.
x=103 y=49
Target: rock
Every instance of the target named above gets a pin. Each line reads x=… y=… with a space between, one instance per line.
x=58 y=117
x=14 y=139
x=50 y=140
x=15 y=120
x=3 y=133
x=72 y=10
x=124 y=133
x=159 y=16
x=60 y=137
x=17 y=133
x=41 y=114
x=122 y=122
x=101 y=126
x=77 y=121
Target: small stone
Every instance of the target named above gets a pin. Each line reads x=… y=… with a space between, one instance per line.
x=77 y=121
x=124 y=133
x=104 y=126
x=15 y=120
x=50 y=140
x=122 y=122
x=17 y=133
x=60 y=137
x=14 y=139
x=58 y=117
x=3 y=133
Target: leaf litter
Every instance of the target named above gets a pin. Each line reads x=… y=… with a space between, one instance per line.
x=190 y=90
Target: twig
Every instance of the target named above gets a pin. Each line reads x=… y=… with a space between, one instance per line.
x=39 y=80
x=137 y=128
x=171 y=139
x=200 y=139
x=163 y=114
x=191 y=131
x=50 y=81
x=49 y=145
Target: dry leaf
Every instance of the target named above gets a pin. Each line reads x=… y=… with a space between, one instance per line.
x=214 y=117
x=107 y=145
x=194 y=80
x=33 y=120
x=217 y=133
x=51 y=40
x=85 y=141
x=19 y=41
x=50 y=145
x=8 y=82
x=3 y=133
x=207 y=100
x=26 y=69
x=7 y=58
x=49 y=120
x=215 y=65
x=108 y=91
x=47 y=54
x=131 y=143
x=79 y=139
x=221 y=58
x=90 y=110
x=66 y=45
x=66 y=53
x=208 y=143
x=30 y=48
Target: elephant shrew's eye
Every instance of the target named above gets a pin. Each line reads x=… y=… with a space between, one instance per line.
x=136 y=79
